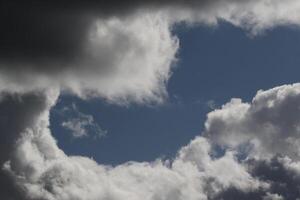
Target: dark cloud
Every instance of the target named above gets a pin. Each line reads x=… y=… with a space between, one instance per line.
x=46 y=35
x=38 y=33
x=42 y=32
x=61 y=43
x=97 y=48
x=8 y=189
x=236 y=194
x=284 y=181
x=35 y=33
x=17 y=113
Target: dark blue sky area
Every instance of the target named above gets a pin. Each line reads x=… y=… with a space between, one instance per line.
x=214 y=64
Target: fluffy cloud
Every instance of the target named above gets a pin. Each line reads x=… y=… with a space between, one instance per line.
x=122 y=60
x=35 y=168
x=269 y=125
x=122 y=52
x=40 y=170
x=125 y=53
x=265 y=135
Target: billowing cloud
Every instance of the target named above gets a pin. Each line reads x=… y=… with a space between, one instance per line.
x=125 y=53
x=120 y=51
x=269 y=125
x=122 y=60
x=35 y=168
x=40 y=170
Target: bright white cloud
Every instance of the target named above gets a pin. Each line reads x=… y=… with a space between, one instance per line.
x=270 y=123
x=41 y=170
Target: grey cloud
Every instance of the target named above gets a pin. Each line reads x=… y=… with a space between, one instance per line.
x=41 y=32
x=120 y=51
x=283 y=181
x=124 y=59
x=17 y=113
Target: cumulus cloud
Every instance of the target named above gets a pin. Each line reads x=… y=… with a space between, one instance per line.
x=125 y=53
x=40 y=170
x=120 y=51
x=126 y=59
x=269 y=124
x=80 y=124
x=265 y=135
x=35 y=168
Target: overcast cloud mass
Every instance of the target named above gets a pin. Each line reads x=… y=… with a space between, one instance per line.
x=124 y=53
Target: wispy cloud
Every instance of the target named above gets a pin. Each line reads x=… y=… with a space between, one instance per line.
x=80 y=124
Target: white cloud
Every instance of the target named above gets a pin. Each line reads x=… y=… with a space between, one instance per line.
x=255 y=16
x=81 y=124
x=42 y=171
x=38 y=169
x=270 y=122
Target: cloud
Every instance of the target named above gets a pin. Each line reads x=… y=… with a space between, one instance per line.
x=270 y=123
x=124 y=59
x=125 y=53
x=40 y=170
x=120 y=51
x=18 y=113
x=80 y=124
x=36 y=168
x=265 y=136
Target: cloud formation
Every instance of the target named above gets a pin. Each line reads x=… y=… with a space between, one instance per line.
x=268 y=125
x=37 y=169
x=122 y=52
x=42 y=171
x=126 y=59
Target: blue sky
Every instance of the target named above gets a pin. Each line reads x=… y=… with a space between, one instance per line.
x=215 y=64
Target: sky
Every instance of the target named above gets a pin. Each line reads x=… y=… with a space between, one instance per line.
x=154 y=100
x=214 y=65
